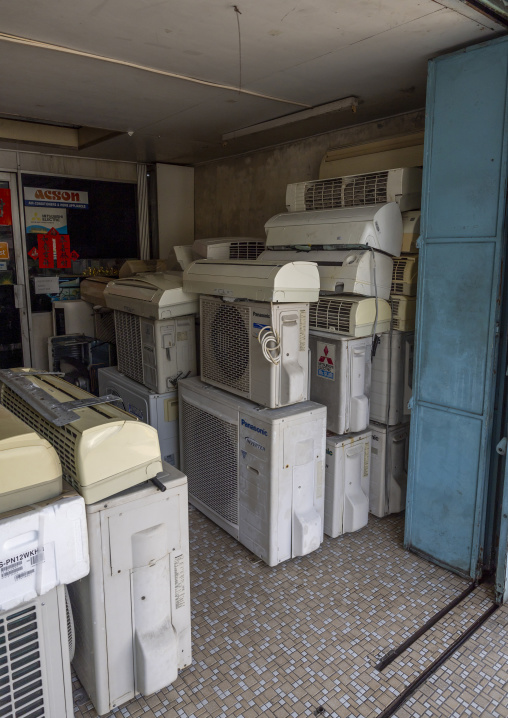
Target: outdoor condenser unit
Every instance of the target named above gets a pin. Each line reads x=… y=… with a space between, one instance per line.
x=72 y=316
x=388 y=471
x=350 y=315
x=403 y=312
x=388 y=380
x=405 y=275
x=411 y=231
x=92 y=291
x=257 y=473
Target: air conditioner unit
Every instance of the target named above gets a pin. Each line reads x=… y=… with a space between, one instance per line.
x=347 y=483
x=388 y=381
x=256 y=350
x=79 y=358
x=103 y=451
x=405 y=275
x=158 y=410
x=378 y=226
x=388 y=471
x=142 y=266
x=355 y=271
x=403 y=186
x=132 y=613
x=36 y=653
x=340 y=379
x=72 y=316
x=153 y=296
x=29 y=466
x=257 y=473
x=403 y=312
x=92 y=291
x=228 y=248
x=350 y=315
x=411 y=231
x=408 y=351
x=155 y=353
x=261 y=281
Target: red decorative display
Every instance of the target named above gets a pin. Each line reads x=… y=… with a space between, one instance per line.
x=33 y=253
x=74 y=255
x=45 y=251
x=63 y=251
x=5 y=206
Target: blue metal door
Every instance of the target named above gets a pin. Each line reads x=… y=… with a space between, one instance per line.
x=459 y=305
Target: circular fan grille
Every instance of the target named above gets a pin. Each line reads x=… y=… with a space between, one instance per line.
x=230 y=342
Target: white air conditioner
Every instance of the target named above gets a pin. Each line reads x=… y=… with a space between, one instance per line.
x=29 y=466
x=132 y=613
x=158 y=410
x=155 y=353
x=378 y=226
x=388 y=381
x=343 y=271
x=402 y=185
x=103 y=451
x=405 y=275
x=73 y=316
x=403 y=312
x=411 y=231
x=35 y=655
x=350 y=315
x=92 y=291
x=388 y=471
x=257 y=473
x=256 y=350
x=228 y=248
x=261 y=281
x=340 y=379
x=154 y=296
x=347 y=483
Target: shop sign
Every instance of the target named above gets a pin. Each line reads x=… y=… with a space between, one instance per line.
x=39 y=219
x=41 y=197
x=4 y=250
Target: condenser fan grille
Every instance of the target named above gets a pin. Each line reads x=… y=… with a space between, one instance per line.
x=354 y=191
x=210 y=460
x=128 y=345
x=246 y=250
x=104 y=325
x=333 y=315
x=225 y=344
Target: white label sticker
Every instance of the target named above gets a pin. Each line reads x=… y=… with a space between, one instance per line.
x=179 y=565
x=325 y=357
x=18 y=567
x=366 y=457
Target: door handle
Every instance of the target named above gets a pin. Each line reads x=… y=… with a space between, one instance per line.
x=501 y=447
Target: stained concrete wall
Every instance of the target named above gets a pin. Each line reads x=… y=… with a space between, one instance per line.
x=236 y=196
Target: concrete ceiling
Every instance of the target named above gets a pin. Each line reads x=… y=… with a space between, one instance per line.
x=84 y=67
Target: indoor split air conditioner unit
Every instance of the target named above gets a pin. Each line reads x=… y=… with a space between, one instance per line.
x=410 y=231
x=257 y=473
x=388 y=471
x=378 y=226
x=340 y=371
x=142 y=266
x=73 y=316
x=388 y=379
x=343 y=271
x=92 y=291
x=402 y=185
x=350 y=315
x=102 y=449
x=132 y=613
x=228 y=248
x=403 y=312
x=347 y=482
x=405 y=275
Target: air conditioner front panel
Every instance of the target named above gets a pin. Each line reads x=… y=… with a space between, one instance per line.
x=388 y=485
x=153 y=296
x=350 y=315
x=228 y=248
x=405 y=275
x=403 y=312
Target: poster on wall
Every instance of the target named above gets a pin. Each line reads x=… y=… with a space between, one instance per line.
x=61 y=198
x=39 y=219
x=5 y=206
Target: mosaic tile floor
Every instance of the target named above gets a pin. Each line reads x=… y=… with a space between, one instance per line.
x=287 y=640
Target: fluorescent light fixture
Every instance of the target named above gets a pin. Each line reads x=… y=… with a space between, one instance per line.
x=346 y=103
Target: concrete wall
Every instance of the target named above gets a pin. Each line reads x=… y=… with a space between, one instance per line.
x=236 y=196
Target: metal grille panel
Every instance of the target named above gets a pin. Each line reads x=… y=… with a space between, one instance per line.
x=353 y=191
x=246 y=250
x=128 y=345
x=105 y=325
x=210 y=460
x=331 y=315
x=225 y=344
x=404 y=275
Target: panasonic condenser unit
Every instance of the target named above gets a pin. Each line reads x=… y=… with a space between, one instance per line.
x=378 y=226
x=350 y=315
x=403 y=312
x=340 y=379
x=347 y=482
x=257 y=350
x=153 y=296
x=257 y=473
x=402 y=185
x=388 y=471
x=103 y=451
x=343 y=271
x=405 y=275
x=132 y=613
x=155 y=353
x=388 y=381
x=411 y=231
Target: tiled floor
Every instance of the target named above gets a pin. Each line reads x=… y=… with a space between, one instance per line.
x=284 y=641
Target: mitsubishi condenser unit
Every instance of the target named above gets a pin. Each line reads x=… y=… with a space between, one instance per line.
x=402 y=185
x=154 y=296
x=405 y=275
x=347 y=482
x=340 y=379
x=378 y=226
x=350 y=315
x=35 y=653
x=132 y=613
x=257 y=473
x=102 y=448
x=257 y=350
x=388 y=471
x=73 y=316
x=403 y=312
x=343 y=271
x=388 y=381
x=411 y=231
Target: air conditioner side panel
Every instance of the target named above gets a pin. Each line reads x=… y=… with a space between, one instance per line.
x=55 y=649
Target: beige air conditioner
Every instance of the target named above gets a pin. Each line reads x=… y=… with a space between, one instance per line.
x=411 y=231
x=140 y=266
x=92 y=291
x=103 y=451
x=402 y=185
x=405 y=275
x=350 y=315
x=228 y=248
x=154 y=296
x=403 y=313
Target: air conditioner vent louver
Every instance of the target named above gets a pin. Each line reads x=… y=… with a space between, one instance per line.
x=355 y=191
x=405 y=275
x=331 y=315
x=245 y=250
x=213 y=470
x=395 y=302
x=128 y=341
x=105 y=325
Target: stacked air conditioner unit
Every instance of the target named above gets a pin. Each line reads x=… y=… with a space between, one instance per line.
x=219 y=248
x=92 y=291
x=388 y=475
x=350 y=316
x=403 y=313
x=405 y=275
x=73 y=316
x=390 y=380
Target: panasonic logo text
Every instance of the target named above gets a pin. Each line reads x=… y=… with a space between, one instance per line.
x=254 y=428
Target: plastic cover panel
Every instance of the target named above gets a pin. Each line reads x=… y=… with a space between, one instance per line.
x=128 y=345
x=210 y=460
x=225 y=344
x=331 y=315
x=354 y=191
x=246 y=250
